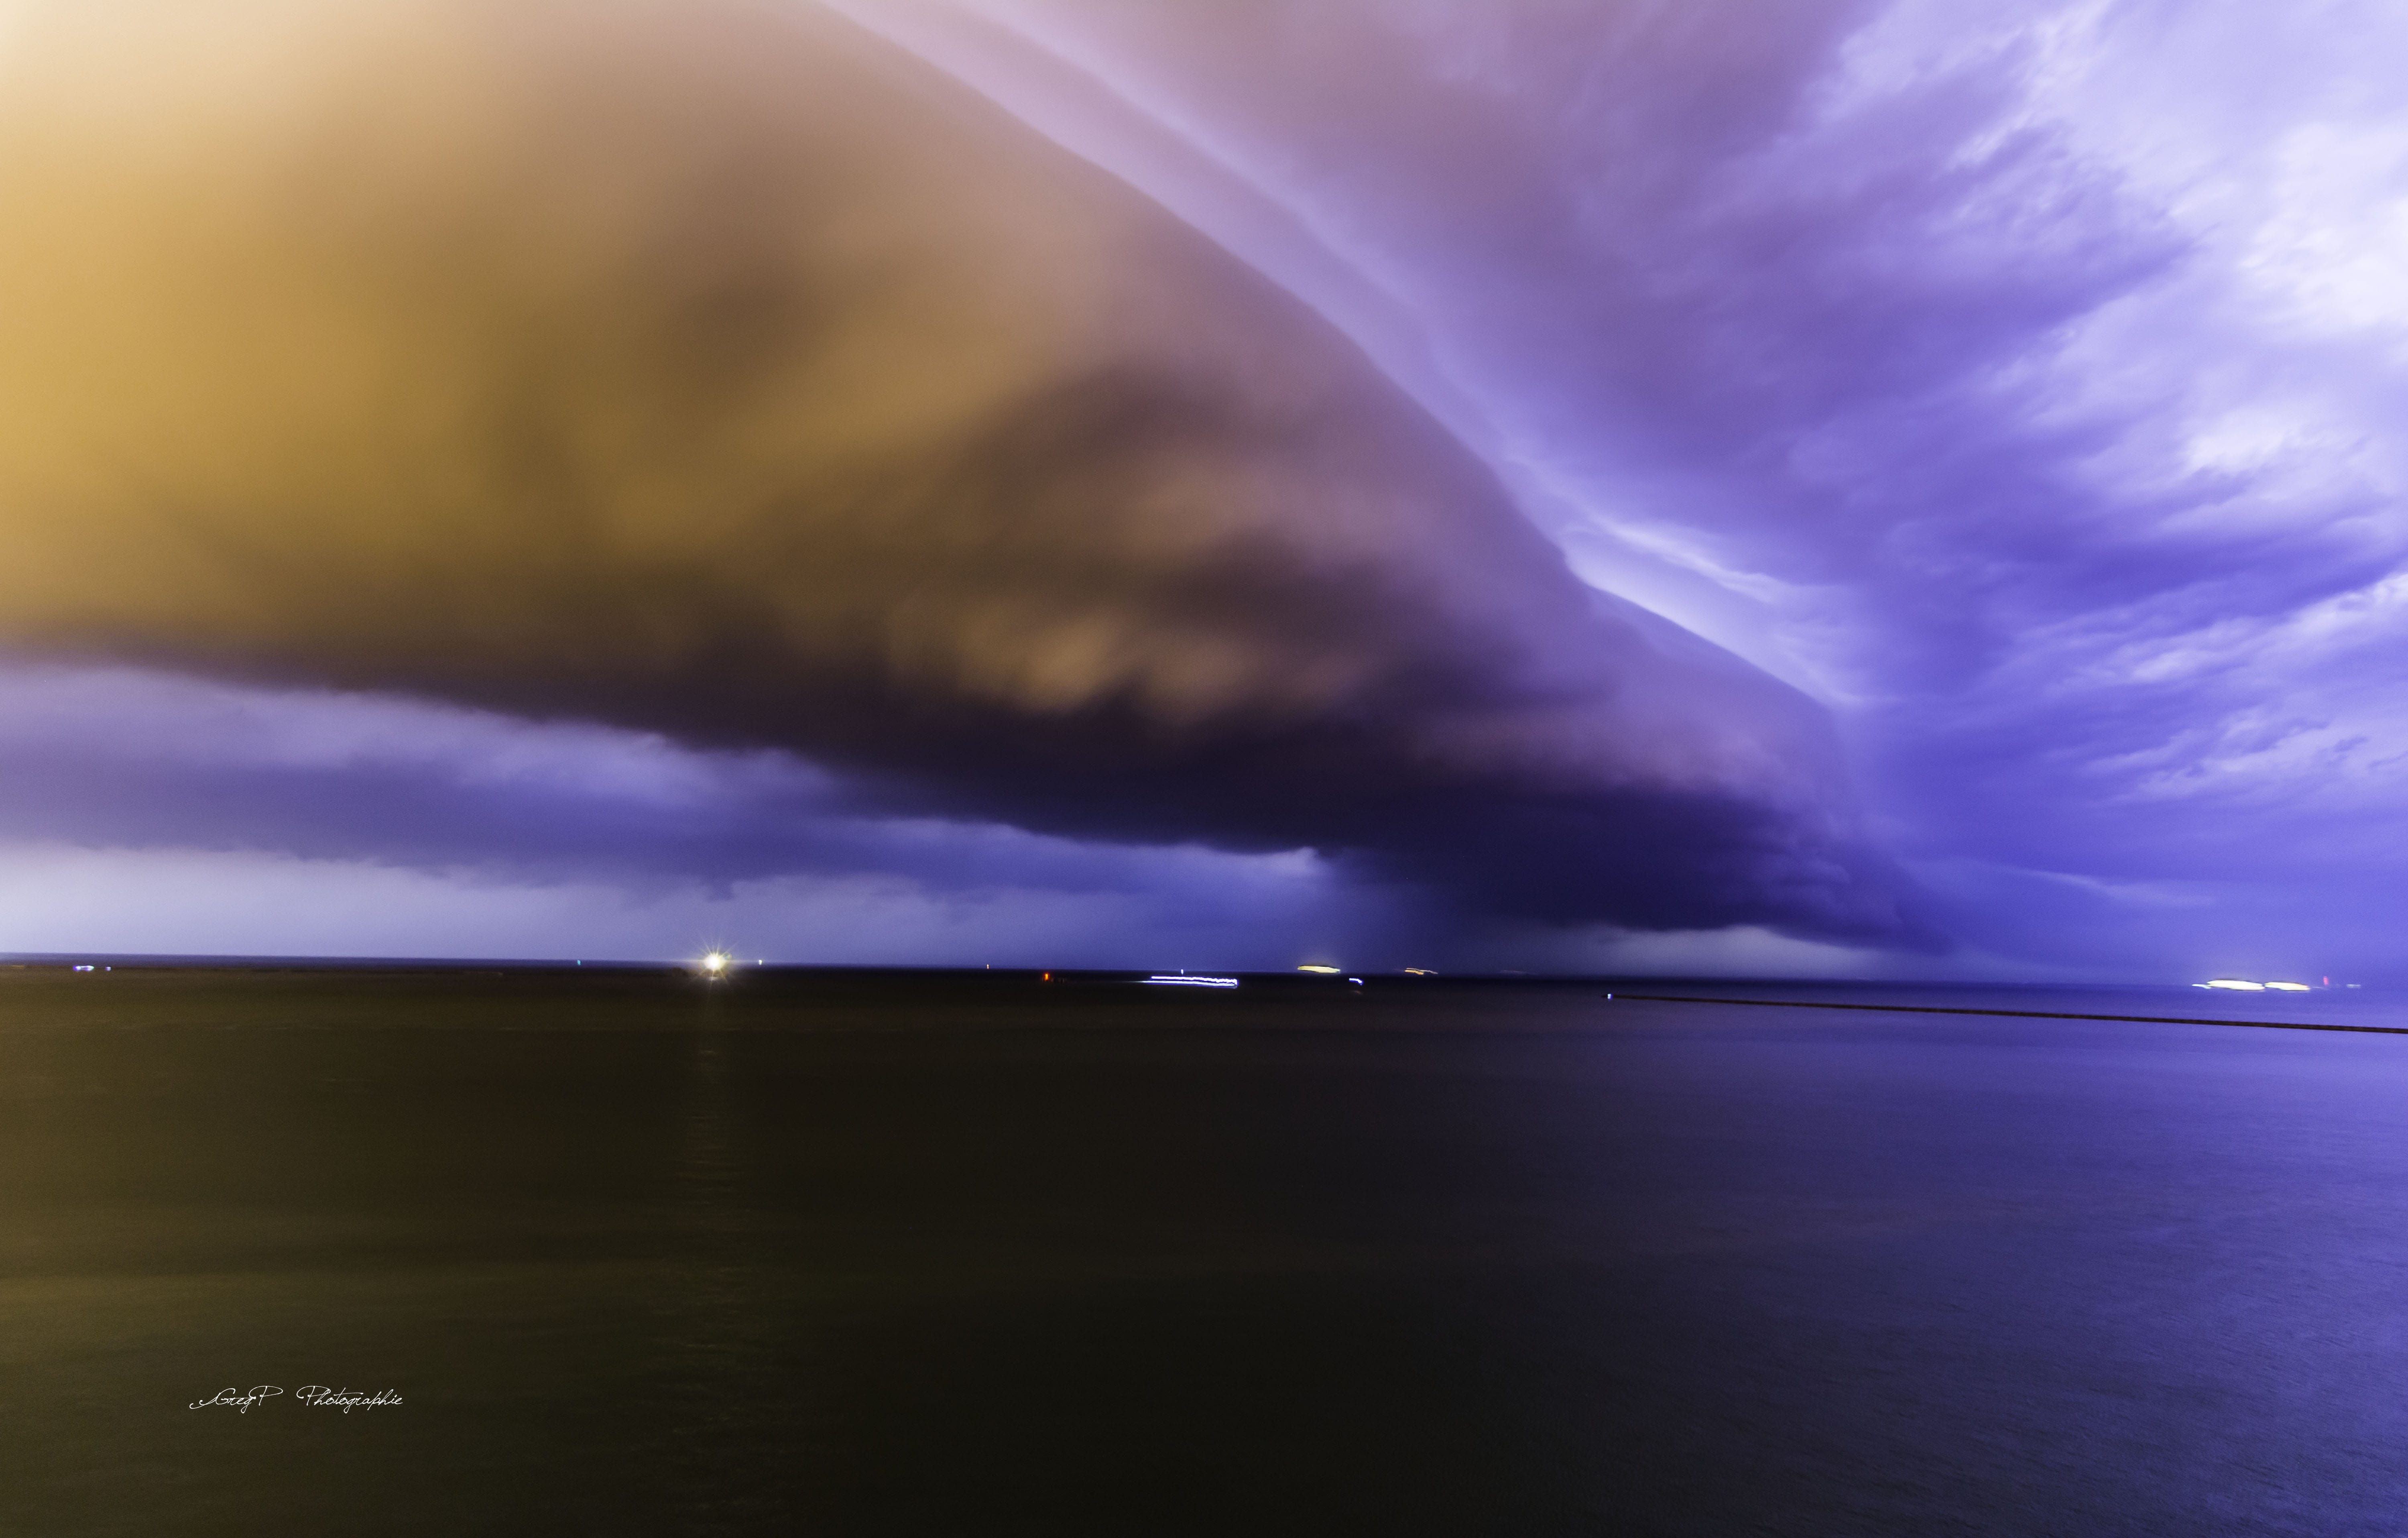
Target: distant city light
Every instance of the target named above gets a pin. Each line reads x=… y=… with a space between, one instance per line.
x=2235 y=984
x=2291 y=987
x=714 y=964
x=1315 y=967
x=1185 y=980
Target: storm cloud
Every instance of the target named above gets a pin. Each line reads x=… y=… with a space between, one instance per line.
x=2023 y=381
x=726 y=372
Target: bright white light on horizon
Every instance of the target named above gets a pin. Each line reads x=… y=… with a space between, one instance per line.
x=2236 y=984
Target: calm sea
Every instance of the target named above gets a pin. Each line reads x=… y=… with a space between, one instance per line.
x=932 y=1255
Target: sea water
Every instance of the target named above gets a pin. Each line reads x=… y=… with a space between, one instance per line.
x=851 y=1253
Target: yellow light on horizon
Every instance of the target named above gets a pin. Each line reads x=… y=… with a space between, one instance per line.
x=1315 y=967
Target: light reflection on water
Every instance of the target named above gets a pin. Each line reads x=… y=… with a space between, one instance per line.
x=893 y=1255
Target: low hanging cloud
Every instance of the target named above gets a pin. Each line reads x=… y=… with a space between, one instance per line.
x=728 y=374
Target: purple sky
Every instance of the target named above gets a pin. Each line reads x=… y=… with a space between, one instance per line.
x=1856 y=488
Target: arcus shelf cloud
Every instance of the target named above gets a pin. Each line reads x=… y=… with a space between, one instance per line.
x=1497 y=485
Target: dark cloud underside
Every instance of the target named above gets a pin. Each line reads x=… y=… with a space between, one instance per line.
x=729 y=374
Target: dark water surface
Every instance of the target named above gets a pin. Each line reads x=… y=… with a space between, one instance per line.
x=829 y=1254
